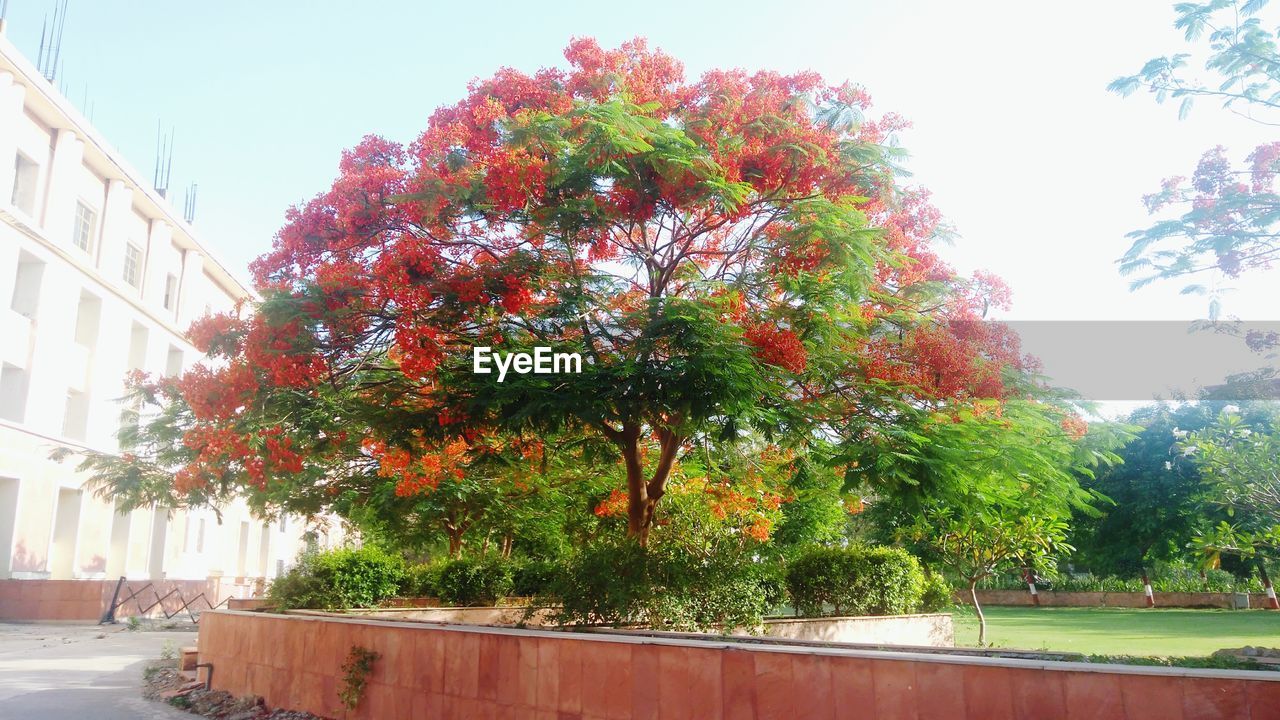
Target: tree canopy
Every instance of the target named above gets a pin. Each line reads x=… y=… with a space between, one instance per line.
x=736 y=259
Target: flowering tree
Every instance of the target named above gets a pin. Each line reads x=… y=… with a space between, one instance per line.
x=1225 y=217
x=728 y=255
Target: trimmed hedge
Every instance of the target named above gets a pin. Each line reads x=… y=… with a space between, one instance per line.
x=855 y=581
x=339 y=579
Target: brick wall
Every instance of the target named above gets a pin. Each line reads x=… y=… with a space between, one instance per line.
x=440 y=671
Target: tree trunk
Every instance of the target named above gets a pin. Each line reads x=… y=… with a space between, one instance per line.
x=982 y=619
x=1272 y=601
x=455 y=542
x=644 y=492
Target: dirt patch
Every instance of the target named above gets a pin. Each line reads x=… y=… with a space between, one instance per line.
x=163 y=682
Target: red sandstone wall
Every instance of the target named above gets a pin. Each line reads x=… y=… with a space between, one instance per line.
x=87 y=600
x=429 y=671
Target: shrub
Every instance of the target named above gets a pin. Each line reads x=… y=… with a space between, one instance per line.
x=855 y=580
x=938 y=594
x=619 y=582
x=422 y=580
x=773 y=583
x=604 y=583
x=339 y=579
x=468 y=581
x=533 y=577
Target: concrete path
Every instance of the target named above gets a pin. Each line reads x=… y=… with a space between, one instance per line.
x=80 y=672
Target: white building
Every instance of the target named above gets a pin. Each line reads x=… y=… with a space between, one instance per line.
x=98 y=276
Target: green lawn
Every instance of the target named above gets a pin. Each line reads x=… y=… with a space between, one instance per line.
x=1117 y=631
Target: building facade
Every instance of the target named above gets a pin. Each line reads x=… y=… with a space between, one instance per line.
x=98 y=276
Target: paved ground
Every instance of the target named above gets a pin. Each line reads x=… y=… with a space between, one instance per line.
x=80 y=672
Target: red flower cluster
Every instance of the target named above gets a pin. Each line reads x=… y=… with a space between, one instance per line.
x=777 y=346
x=1075 y=427
x=422 y=468
x=613 y=506
x=218 y=395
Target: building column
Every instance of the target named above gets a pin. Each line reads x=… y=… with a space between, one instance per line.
x=64 y=177
x=115 y=223
x=53 y=369
x=191 y=295
x=159 y=254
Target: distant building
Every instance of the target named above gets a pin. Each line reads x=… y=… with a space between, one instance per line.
x=98 y=276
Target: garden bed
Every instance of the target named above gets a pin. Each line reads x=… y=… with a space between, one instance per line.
x=1051 y=598
x=924 y=630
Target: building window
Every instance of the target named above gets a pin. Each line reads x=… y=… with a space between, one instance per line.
x=132 y=264
x=88 y=319
x=200 y=537
x=173 y=363
x=75 y=421
x=26 y=286
x=82 y=231
x=137 y=347
x=25 y=172
x=13 y=393
x=170 y=291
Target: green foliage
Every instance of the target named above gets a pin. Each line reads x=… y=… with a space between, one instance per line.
x=1182 y=577
x=773 y=582
x=469 y=581
x=1089 y=583
x=855 y=581
x=533 y=577
x=422 y=580
x=977 y=490
x=938 y=594
x=976 y=543
x=1156 y=499
x=356 y=671
x=339 y=579
x=1240 y=464
x=619 y=583
x=816 y=512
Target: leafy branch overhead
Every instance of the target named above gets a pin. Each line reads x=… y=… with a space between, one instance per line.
x=1225 y=218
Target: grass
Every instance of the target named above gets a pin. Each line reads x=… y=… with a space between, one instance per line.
x=1121 y=631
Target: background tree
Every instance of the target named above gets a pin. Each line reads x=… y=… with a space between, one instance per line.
x=1240 y=464
x=977 y=541
x=989 y=487
x=1155 y=503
